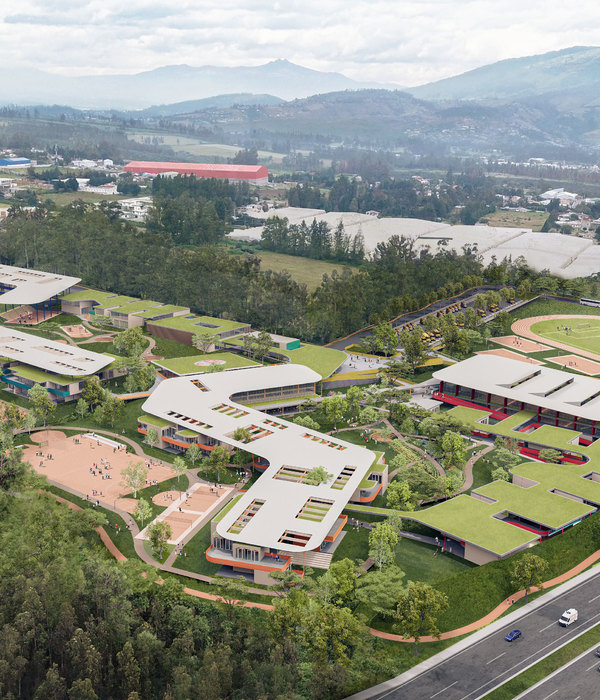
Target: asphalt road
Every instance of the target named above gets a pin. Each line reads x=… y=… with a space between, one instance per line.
x=578 y=680
x=484 y=665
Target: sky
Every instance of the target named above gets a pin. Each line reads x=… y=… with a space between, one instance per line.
x=397 y=42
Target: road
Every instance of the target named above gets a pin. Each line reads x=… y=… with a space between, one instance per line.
x=489 y=662
x=577 y=680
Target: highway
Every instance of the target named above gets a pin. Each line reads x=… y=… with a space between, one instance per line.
x=577 y=680
x=489 y=662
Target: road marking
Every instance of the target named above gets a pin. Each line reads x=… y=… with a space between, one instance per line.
x=443 y=690
x=496 y=658
x=552 y=624
x=592 y=666
x=551 y=694
x=593 y=599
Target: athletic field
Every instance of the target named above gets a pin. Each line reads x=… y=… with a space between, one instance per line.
x=582 y=333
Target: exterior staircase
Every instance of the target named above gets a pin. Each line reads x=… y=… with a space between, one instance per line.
x=316 y=560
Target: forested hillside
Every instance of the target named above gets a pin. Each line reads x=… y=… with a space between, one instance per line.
x=107 y=253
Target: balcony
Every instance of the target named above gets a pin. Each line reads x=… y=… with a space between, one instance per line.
x=268 y=562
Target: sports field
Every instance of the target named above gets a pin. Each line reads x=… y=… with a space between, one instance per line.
x=578 y=332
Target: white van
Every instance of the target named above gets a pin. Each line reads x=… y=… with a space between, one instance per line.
x=568 y=617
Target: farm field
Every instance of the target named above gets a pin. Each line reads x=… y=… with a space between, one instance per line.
x=517 y=219
x=303 y=270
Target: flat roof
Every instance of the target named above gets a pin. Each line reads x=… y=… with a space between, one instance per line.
x=31 y=286
x=284 y=445
x=57 y=358
x=193 y=323
x=537 y=385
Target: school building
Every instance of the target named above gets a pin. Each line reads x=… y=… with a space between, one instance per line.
x=283 y=520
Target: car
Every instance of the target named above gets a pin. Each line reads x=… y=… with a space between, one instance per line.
x=511 y=636
x=598 y=652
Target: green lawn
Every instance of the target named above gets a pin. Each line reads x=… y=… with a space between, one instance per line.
x=517 y=219
x=548 y=307
x=302 y=270
x=62 y=199
x=171 y=348
x=187 y=365
x=195 y=554
x=584 y=333
x=322 y=360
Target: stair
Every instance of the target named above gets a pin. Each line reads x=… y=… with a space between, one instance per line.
x=316 y=560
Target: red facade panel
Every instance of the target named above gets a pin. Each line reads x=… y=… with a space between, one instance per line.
x=218 y=170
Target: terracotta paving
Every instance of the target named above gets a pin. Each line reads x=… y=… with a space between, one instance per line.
x=581 y=364
x=521 y=344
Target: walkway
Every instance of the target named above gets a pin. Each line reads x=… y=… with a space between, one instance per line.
x=469 y=468
x=499 y=609
x=523 y=326
x=466 y=629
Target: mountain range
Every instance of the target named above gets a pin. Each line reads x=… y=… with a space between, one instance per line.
x=169 y=84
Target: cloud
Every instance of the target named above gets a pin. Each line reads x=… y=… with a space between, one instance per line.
x=390 y=41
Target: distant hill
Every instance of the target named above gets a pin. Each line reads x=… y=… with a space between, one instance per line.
x=385 y=118
x=568 y=78
x=168 y=84
x=216 y=102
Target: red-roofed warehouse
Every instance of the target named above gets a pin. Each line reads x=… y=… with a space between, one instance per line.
x=256 y=174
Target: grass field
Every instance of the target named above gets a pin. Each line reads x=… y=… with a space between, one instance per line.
x=187 y=365
x=584 y=334
x=61 y=199
x=302 y=270
x=517 y=219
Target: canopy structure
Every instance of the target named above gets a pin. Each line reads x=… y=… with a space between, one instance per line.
x=21 y=286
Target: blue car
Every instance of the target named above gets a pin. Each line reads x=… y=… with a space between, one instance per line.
x=511 y=636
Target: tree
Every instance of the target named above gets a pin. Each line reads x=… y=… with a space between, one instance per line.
x=151 y=436
x=454 y=448
x=307 y=422
x=143 y=511
x=386 y=338
x=42 y=404
x=500 y=474
x=370 y=415
x=335 y=406
x=316 y=476
x=203 y=340
x=529 y=571
x=331 y=634
x=112 y=409
x=92 y=393
x=382 y=540
x=380 y=589
x=12 y=467
x=400 y=496
x=343 y=580
x=354 y=396
x=81 y=408
x=193 y=454
x=130 y=342
x=159 y=533
x=397 y=369
x=414 y=350
x=262 y=345
x=218 y=459
x=179 y=467
x=417 y=612
x=550 y=455
x=134 y=477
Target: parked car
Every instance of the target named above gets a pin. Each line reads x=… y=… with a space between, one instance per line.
x=568 y=617
x=598 y=652
x=511 y=636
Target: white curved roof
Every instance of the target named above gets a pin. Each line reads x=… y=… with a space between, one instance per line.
x=31 y=286
x=69 y=360
x=282 y=444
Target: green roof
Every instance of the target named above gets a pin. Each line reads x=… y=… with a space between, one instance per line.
x=187 y=365
x=219 y=516
x=322 y=360
x=159 y=310
x=536 y=502
x=88 y=295
x=41 y=377
x=131 y=307
x=192 y=324
x=155 y=421
x=109 y=302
